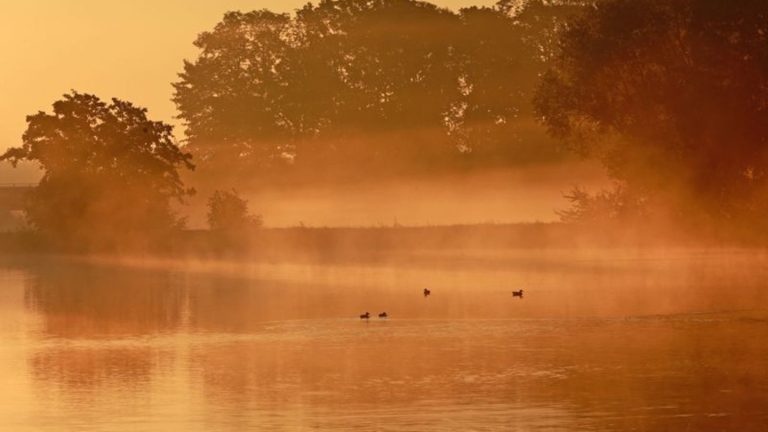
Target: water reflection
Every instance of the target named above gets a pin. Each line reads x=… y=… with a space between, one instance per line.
x=632 y=344
x=78 y=300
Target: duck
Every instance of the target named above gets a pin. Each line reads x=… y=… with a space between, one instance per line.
x=427 y=292
x=518 y=293
x=365 y=316
x=383 y=315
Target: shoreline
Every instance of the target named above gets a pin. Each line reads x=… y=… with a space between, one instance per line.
x=467 y=245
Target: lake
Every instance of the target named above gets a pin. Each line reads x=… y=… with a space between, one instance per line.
x=624 y=340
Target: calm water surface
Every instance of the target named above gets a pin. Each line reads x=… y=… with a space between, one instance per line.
x=615 y=340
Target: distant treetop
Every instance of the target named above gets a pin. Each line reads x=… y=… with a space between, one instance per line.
x=367 y=88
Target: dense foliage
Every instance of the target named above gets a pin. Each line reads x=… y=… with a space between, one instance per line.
x=365 y=88
x=110 y=174
x=672 y=97
x=227 y=211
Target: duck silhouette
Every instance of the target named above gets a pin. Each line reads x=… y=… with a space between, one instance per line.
x=427 y=292
x=365 y=316
x=518 y=293
x=383 y=315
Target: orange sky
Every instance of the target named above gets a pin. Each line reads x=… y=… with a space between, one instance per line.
x=131 y=49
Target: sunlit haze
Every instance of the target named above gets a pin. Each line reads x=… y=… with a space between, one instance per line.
x=134 y=50
x=127 y=49
x=384 y=215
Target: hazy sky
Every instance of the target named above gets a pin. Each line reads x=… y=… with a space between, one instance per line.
x=131 y=49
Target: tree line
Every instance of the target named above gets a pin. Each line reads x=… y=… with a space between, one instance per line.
x=350 y=89
x=668 y=96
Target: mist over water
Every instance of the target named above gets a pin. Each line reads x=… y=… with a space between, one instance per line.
x=602 y=340
x=524 y=194
x=390 y=215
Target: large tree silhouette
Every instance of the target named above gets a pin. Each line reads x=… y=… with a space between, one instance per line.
x=110 y=173
x=364 y=88
x=672 y=97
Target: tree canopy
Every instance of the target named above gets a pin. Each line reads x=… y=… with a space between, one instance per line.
x=110 y=173
x=346 y=86
x=671 y=97
x=227 y=211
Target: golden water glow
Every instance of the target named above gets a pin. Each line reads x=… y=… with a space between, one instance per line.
x=549 y=215
x=603 y=341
